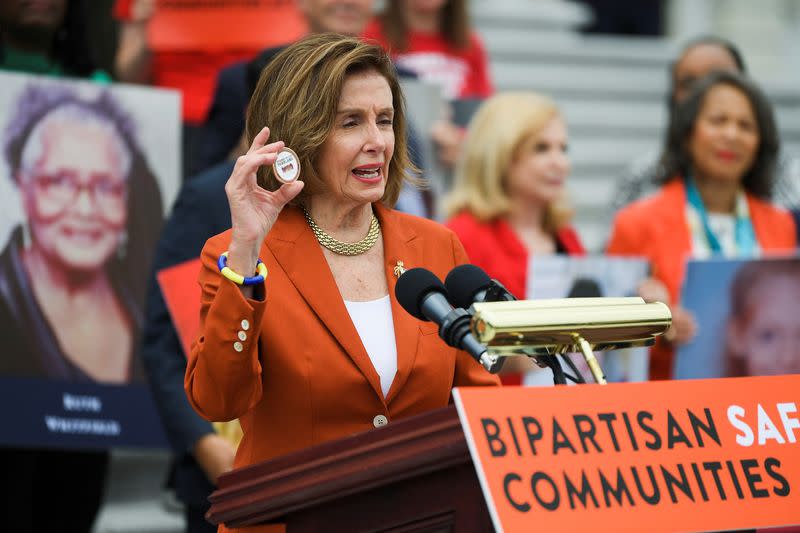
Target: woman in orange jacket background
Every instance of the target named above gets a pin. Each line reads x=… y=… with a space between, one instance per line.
x=718 y=166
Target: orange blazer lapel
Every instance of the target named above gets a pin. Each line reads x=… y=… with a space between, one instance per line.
x=773 y=227
x=400 y=243
x=297 y=251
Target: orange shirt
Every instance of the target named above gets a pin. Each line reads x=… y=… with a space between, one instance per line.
x=192 y=72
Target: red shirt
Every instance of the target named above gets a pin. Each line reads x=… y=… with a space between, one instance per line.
x=192 y=72
x=462 y=73
x=495 y=247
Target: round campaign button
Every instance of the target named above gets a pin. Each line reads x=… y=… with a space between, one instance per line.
x=286 y=166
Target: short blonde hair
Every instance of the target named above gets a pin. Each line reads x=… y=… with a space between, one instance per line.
x=501 y=127
x=297 y=96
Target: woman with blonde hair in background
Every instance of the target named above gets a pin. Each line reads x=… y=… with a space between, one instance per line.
x=507 y=202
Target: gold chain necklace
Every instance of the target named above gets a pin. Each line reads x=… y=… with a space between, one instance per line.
x=345 y=248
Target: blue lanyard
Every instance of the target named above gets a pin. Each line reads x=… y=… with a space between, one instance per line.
x=745 y=235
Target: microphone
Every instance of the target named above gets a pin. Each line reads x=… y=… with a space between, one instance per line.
x=467 y=284
x=585 y=288
x=424 y=296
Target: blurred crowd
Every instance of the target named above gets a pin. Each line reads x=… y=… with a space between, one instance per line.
x=720 y=185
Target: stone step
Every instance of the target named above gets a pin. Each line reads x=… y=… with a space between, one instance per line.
x=135 y=498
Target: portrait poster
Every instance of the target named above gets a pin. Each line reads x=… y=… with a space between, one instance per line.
x=563 y=276
x=87 y=174
x=748 y=318
x=224 y=24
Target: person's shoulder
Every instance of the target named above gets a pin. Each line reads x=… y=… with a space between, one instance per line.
x=465 y=222
x=644 y=208
x=431 y=233
x=373 y=31
x=253 y=68
x=570 y=239
x=205 y=192
x=774 y=225
x=233 y=71
x=476 y=41
x=767 y=206
x=777 y=216
x=266 y=55
x=419 y=225
x=211 y=178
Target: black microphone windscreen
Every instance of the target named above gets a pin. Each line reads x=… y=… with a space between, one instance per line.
x=413 y=286
x=463 y=282
x=585 y=288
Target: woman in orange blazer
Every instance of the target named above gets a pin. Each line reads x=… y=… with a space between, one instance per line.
x=321 y=349
x=717 y=171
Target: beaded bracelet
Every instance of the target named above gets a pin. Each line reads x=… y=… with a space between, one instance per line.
x=225 y=270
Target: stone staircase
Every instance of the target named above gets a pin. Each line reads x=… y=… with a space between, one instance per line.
x=612 y=91
x=135 y=500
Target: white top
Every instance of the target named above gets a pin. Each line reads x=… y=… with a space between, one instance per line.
x=373 y=321
x=724 y=228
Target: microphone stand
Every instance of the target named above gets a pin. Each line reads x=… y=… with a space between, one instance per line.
x=591 y=360
x=578 y=377
x=551 y=362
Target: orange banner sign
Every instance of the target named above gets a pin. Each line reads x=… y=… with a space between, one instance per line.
x=181 y=293
x=213 y=25
x=661 y=456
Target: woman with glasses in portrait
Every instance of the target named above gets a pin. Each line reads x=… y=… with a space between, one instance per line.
x=72 y=273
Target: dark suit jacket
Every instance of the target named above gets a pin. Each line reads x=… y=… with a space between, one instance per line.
x=225 y=122
x=200 y=211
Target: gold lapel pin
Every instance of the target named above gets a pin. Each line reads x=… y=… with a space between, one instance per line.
x=399 y=269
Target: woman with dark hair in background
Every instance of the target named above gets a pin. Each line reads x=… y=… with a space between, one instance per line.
x=717 y=177
x=46 y=37
x=72 y=281
x=697 y=58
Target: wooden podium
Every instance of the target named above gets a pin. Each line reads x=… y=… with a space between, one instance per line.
x=414 y=474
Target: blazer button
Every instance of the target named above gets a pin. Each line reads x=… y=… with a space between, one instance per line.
x=238 y=346
x=245 y=324
x=379 y=421
x=242 y=336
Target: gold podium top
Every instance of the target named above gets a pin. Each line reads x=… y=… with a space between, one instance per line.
x=551 y=326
